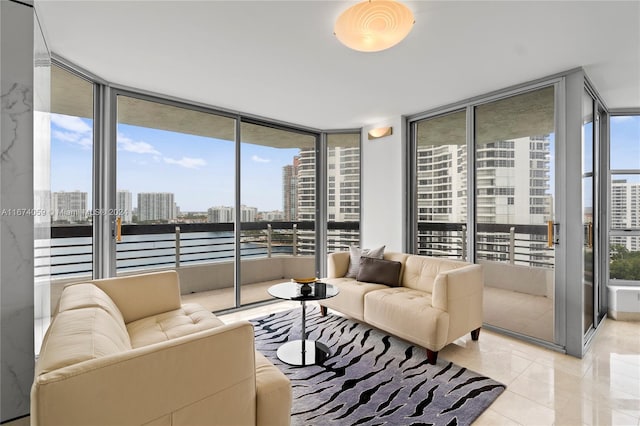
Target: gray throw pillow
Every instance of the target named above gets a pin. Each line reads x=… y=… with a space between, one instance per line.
x=354 y=258
x=379 y=271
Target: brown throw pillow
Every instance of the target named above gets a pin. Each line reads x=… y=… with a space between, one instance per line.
x=379 y=271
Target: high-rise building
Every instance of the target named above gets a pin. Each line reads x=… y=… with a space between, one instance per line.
x=625 y=212
x=124 y=205
x=503 y=196
x=220 y=214
x=224 y=214
x=69 y=207
x=343 y=190
x=156 y=206
x=248 y=214
x=290 y=190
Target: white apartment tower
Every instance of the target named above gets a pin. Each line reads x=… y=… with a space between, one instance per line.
x=625 y=211
x=69 y=207
x=512 y=187
x=224 y=214
x=124 y=205
x=220 y=214
x=156 y=206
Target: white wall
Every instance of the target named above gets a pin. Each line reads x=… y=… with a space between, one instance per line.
x=382 y=194
x=16 y=202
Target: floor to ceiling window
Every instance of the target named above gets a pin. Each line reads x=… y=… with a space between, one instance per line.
x=441 y=185
x=500 y=212
x=343 y=191
x=229 y=201
x=175 y=191
x=277 y=207
x=624 y=198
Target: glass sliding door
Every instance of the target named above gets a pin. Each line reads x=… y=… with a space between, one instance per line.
x=441 y=185
x=514 y=199
x=343 y=191
x=175 y=192
x=588 y=210
x=277 y=209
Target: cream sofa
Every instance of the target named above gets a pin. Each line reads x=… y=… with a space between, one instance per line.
x=437 y=300
x=125 y=351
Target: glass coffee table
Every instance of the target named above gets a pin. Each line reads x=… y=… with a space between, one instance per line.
x=303 y=352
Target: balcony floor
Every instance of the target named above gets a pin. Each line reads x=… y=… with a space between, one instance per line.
x=519 y=312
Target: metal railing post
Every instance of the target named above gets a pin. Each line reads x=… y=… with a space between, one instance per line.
x=177 y=246
x=295 y=239
x=269 y=240
x=512 y=244
x=464 y=242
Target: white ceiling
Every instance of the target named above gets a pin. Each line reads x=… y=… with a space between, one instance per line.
x=280 y=59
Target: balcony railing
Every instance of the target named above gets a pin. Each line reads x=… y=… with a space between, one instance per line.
x=145 y=247
x=173 y=245
x=516 y=244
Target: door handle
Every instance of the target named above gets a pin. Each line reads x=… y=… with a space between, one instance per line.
x=119 y=229
x=552 y=234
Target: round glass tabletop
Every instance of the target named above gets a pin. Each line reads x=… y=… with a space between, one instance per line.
x=295 y=291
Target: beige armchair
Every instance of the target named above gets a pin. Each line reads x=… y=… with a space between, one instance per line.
x=125 y=351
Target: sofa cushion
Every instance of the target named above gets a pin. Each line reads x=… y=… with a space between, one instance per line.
x=350 y=299
x=88 y=295
x=379 y=271
x=79 y=335
x=408 y=314
x=190 y=318
x=354 y=258
x=421 y=271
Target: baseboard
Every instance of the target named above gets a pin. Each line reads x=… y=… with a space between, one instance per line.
x=624 y=316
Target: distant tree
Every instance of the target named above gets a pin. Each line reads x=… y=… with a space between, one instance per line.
x=625 y=265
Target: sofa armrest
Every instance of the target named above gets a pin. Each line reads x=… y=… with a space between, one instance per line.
x=459 y=292
x=338 y=264
x=143 y=295
x=456 y=284
x=203 y=378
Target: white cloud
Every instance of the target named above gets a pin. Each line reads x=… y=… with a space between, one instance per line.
x=76 y=138
x=139 y=147
x=71 y=124
x=189 y=163
x=260 y=159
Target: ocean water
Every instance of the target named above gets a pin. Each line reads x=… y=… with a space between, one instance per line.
x=69 y=257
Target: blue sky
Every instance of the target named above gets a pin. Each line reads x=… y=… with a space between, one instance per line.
x=200 y=171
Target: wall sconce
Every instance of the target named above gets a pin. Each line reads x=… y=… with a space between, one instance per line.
x=379 y=132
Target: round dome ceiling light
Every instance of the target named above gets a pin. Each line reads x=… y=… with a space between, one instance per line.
x=374 y=25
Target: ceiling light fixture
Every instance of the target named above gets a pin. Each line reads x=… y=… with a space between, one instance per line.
x=379 y=132
x=374 y=25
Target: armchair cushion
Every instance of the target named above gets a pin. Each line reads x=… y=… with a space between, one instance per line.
x=189 y=319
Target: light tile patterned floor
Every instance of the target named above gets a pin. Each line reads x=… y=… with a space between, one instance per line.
x=543 y=387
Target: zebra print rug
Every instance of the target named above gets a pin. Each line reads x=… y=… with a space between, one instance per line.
x=371 y=378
